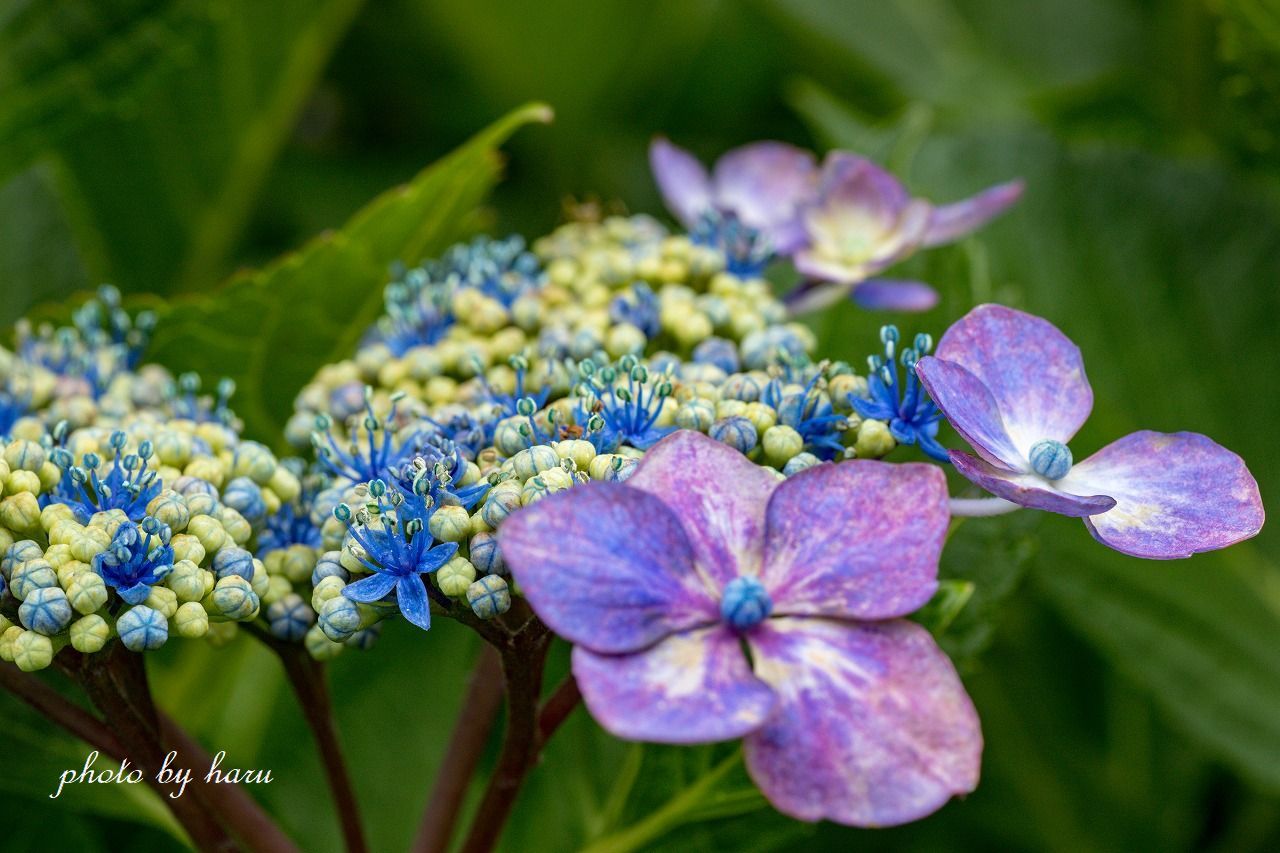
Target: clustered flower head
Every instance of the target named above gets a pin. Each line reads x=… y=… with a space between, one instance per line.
x=622 y=426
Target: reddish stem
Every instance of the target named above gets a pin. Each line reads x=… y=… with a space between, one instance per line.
x=470 y=734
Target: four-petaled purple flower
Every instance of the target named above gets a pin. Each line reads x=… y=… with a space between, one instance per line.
x=849 y=712
x=864 y=221
x=763 y=186
x=1014 y=387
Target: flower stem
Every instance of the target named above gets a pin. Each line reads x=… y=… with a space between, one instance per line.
x=307 y=679
x=466 y=743
x=523 y=659
x=981 y=507
x=558 y=706
x=55 y=707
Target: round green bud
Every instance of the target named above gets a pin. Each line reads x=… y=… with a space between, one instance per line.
x=24 y=455
x=20 y=512
x=580 y=451
x=234 y=524
x=874 y=440
x=187 y=547
x=208 y=531
x=234 y=598
x=330 y=587
x=191 y=620
x=7 y=640
x=534 y=460
x=489 y=596
x=260 y=579
x=30 y=576
x=163 y=600
x=697 y=414
x=277 y=588
x=844 y=386
x=624 y=339
x=297 y=562
x=455 y=576
x=254 y=461
x=87 y=592
x=319 y=646
x=32 y=651
x=89 y=634
x=88 y=543
x=762 y=417
x=169 y=508
x=450 y=524
x=221 y=633
x=187 y=581
x=780 y=443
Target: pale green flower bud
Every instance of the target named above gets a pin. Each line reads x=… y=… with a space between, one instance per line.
x=20 y=512
x=87 y=593
x=260 y=579
x=278 y=587
x=32 y=651
x=874 y=440
x=8 y=638
x=234 y=598
x=455 y=576
x=187 y=581
x=234 y=524
x=319 y=646
x=330 y=587
x=208 y=531
x=696 y=414
x=163 y=600
x=21 y=455
x=221 y=633
x=780 y=443
x=450 y=524
x=89 y=634
x=578 y=450
x=191 y=620
x=89 y=542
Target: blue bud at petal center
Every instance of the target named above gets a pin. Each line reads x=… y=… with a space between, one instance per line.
x=1050 y=459
x=746 y=603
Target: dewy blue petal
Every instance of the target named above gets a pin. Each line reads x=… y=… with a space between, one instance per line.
x=383 y=447
x=373 y=588
x=912 y=416
x=411 y=595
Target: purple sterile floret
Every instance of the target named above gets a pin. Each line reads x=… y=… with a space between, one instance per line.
x=764 y=185
x=1014 y=388
x=864 y=221
x=849 y=712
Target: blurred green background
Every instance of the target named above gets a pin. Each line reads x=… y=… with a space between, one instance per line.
x=163 y=144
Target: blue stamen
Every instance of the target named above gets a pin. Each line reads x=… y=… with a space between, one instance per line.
x=902 y=403
x=129 y=486
x=747 y=250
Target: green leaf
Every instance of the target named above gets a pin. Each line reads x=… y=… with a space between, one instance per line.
x=271 y=329
x=1201 y=639
x=159 y=119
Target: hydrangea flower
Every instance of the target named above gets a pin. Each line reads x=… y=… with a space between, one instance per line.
x=762 y=186
x=397 y=551
x=128 y=486
x=848 y=711
x=864 y=221
x=1014 y=387
x=911 y=415
x=138 y=558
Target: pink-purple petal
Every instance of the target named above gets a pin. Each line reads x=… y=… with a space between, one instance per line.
x=692 y=687
x=766 y=184
x=682 y=180
x=718 y=495
x=606 y=566
x=1034 y=372
x=952 y=221
x=873 y=726
x=971 y=410
x=1029 y=489
x=1177 y=494
x=861 y=183
x=859 y=540
x=886 y=294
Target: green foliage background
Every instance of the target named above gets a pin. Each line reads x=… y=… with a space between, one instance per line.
x=165 y=144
